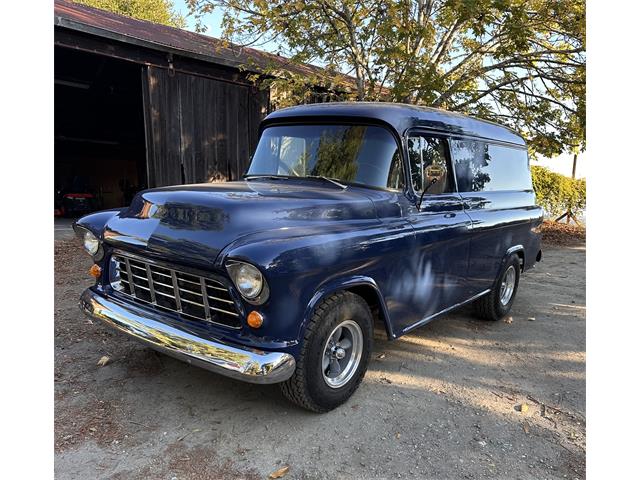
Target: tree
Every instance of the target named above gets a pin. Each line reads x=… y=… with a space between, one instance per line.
x=519 y=62
x=157 y=11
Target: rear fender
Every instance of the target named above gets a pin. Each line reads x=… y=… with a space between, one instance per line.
x=517 y=249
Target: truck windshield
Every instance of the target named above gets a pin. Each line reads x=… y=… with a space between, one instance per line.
x=359 y=154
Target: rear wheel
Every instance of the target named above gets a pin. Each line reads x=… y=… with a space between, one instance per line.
x=335 y=353
x=497 y=303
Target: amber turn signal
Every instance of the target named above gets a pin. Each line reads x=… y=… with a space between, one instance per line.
x=254 y=319
x=95 y=270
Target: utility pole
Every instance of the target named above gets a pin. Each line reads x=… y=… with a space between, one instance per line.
x=569 y=214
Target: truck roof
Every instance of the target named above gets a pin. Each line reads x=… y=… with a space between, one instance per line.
x=400 y=116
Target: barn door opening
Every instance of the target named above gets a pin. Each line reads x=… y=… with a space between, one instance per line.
x=99 y=132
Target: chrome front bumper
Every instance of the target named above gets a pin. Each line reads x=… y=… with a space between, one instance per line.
x=159 y=333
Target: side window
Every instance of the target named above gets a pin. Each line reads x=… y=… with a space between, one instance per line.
x=429 y=165
x=481 y=166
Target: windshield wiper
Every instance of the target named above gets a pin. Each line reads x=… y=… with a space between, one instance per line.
x=259 y=176
x=327 y=179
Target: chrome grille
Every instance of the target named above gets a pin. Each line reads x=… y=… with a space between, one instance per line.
x=168 y=288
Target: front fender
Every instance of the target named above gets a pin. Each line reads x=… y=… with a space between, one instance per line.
x=302 y=265
x=347 y=283
x=95 y=222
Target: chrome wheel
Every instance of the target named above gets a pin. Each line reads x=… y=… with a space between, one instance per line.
x=342 y=354
x=508 y=285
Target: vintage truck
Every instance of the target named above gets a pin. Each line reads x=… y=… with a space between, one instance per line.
x=350 y=215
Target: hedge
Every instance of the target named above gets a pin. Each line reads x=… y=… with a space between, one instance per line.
x=557 y=193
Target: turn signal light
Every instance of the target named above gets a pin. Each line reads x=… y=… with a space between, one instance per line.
x=254 y=319
x=95 y=270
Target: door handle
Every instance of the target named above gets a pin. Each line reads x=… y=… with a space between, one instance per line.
x=449 y=215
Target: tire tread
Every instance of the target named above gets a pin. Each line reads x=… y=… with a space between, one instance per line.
x=294 y=389
x=484 y=306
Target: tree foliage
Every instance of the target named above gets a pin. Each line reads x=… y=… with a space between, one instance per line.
x=519 y=62
x=157 y=11
x=557 y=193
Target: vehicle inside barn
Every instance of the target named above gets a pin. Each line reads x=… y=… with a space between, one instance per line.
x=99 y=132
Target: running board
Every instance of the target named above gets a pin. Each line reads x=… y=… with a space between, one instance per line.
x=442 y=312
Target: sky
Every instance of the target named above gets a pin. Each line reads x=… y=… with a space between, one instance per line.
x=564 y=163
x=212 y=21
x=561 y=164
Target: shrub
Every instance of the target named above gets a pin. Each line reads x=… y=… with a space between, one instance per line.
x=557 y=193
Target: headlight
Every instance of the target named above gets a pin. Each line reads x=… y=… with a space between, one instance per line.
x=91 y=243
x=247 y=279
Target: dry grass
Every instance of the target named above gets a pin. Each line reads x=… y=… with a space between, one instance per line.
x=561 y=234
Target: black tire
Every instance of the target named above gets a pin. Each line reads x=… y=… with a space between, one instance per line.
x=307 y=387
x=489 y=306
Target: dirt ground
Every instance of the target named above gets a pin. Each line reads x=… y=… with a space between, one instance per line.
x=441 y=402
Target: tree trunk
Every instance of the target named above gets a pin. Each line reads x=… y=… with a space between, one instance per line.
x=360 y=82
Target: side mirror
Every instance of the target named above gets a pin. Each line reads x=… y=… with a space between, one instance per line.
x=432 y=174
x=433 y=180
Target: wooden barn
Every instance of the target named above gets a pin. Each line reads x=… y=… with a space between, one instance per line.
x=140 y=105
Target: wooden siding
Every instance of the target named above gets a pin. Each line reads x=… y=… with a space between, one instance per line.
x=198 y=129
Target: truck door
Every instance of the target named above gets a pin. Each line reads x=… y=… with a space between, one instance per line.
x=438 y=263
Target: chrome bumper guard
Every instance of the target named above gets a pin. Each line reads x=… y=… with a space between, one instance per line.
x=154 y=330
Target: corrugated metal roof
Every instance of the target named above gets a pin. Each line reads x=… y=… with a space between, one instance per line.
x=175 y=40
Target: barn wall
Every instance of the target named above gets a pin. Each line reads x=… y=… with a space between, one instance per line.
x=162 y=128
x=198 y=129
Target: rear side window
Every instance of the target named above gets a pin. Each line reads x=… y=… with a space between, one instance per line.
x=429 y=164
x=481 y=166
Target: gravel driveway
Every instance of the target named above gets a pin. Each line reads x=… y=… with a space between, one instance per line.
x=442 y=402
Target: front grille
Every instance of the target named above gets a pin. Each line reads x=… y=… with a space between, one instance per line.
x=168 y=288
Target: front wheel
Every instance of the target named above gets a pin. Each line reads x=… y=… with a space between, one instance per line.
x=335 y=353
x=497 y=303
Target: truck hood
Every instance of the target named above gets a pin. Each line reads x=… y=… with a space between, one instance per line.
x=192 y=223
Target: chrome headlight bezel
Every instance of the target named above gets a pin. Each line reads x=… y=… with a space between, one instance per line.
x=90 y=242
x=244 y=274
